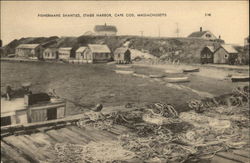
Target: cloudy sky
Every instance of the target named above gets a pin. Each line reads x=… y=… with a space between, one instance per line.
x=228 y=18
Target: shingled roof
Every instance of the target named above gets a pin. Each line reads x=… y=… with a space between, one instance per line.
x=120 y=50
x=96 y=48
x=229 y=48
x=211 y=48
x=28 y=46
x=81 y=49
x=197 y=34
x=109 y=28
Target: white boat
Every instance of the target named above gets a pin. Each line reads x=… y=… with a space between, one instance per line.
x=157 y=76
x=124 y=72
x=177 y=79
x=124 y=66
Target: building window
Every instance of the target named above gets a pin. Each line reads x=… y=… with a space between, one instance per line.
x=208 y=35
x=226 y=56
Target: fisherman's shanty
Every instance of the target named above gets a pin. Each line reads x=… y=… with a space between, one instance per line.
x=93 y=53
x=65 y=53
x=207 y=54
x=31 y=108
x=80 y=53
x=105 y=30
x=32 y=51
x=50 y=54
x=226 y=54
x=203 y=35
x=122 y=55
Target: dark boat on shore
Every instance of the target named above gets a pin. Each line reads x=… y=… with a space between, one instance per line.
x=191 y=70
x=240 y=78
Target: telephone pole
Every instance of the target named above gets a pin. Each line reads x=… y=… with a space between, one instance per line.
x=159 y=30
x=177 y=29
x=141 y=33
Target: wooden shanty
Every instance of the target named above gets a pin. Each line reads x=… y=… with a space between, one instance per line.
x=225 y=54
x=207 y=54
x=65 y=53
x=50 y=54
x=31 y=108
x=96 y=53
x=32 y=51
x=122 y=55
x=80 y=53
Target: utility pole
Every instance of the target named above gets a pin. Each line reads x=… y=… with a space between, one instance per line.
x=177 y=29
x=159 y=30
x=141 y=33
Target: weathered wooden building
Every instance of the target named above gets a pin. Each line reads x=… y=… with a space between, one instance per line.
x=29 y=50
x=31 y=108
x=80 y=53
x=203 y=35
x=94 y=53
x=207 y=54
x=225 y=54
x=122 y=55
x=105 y=30
x=50 y=53
x=64 y=53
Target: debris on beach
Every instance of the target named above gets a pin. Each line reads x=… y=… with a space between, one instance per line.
x=159 y=133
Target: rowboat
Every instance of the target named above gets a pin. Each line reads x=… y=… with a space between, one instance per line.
x=172 y=71
x=177 y=80
x=191 y=70
x=157 y=76
x=240 y=78
x=124 y=72
x=123 y=66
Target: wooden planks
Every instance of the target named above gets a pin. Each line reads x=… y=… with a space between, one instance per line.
x=8 y=153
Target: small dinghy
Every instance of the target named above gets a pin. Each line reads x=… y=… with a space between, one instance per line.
x=124 y=72
x=157 y=76
x=177 y=80
x=240 y=78
x=173 y=71
x=191 y=70
x=124 y=66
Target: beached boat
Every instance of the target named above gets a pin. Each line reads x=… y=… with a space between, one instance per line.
x=240 y=78
x=177 y=79
x=173 y=71
x=191 y=70
x=124 y=71
x=140 y=75
x=123 y=66
x=157 y=76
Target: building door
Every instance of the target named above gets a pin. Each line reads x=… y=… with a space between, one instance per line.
x=52 y=113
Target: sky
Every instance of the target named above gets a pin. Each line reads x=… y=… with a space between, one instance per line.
x=229 y=19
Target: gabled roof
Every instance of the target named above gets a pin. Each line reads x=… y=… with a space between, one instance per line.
x=120 y=50
x=197 y=34
x=81 y=49
x=51 y=49
x=28 y=46
x=211 y=48
x=110 y=28
x=66 y=48
x=229 y=48
x=97 y=48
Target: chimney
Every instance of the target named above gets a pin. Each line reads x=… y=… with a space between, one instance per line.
x=219 y=36
x=200 y=29
x=105 y=24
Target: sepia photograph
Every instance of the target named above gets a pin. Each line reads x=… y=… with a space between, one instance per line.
x=125 y=81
